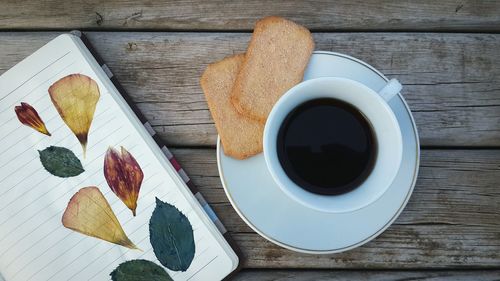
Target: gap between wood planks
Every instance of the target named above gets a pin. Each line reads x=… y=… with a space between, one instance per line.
x=347 y=15
x=378 y=275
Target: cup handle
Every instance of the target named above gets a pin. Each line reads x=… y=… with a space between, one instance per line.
x=392 y=88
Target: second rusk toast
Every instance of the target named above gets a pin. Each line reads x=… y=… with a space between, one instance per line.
x=275 y=61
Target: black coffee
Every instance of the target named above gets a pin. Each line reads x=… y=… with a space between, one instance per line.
x=326 y=146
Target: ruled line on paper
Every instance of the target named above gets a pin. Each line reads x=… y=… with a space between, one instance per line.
x=111 y=203
x=37 y=185
x=17 y=155
x=40 y=250
x=29 y=204
x=41 y=84
x=14 y=116
x=44 y=206
x=54 y=201
x=196 y=256
x=81 y=240
x=202 y=267
x=67 y=235
x=14 y=143
x=143 y=254
x=63 y=183
x=83 y=267
x=121 y=256
x=33 y=159
x=64 y=194
x=19 y=126
x=35 y=75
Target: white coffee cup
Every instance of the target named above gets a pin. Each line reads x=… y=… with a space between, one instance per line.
x=373 y=105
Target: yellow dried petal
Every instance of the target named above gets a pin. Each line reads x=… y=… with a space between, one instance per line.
x=89 y=213
x=75 y=98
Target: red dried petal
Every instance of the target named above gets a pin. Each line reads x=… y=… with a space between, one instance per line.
x=28 y=116
x=124 y=176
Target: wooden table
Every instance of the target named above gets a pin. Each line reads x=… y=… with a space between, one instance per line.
x=447 y=54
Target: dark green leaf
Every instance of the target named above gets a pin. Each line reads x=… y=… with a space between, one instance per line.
x=171 y=236
x=139 y=270
x=60 y=162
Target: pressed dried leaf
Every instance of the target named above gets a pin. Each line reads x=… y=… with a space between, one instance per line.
x=124 y=176
x=172 y=238
x=89 y=213
x=60 y=162
x=75 y=98
x=139 y=270
x=28 y=116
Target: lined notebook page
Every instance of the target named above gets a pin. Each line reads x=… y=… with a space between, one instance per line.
x=34 y=245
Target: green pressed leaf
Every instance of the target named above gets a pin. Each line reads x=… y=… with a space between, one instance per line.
x=60 y=162
x=171 y=236
x=139 y=270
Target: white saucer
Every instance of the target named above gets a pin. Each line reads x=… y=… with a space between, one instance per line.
x=283 y=221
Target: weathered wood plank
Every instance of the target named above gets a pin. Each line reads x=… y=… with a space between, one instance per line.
x=451 y=80
x=452 y=219
x=342 y=275
x=242 y=14
x=410 y=247
x=455 y=187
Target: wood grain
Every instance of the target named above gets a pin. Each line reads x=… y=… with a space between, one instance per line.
x=342 y=275
x=323 y=15
x=451 y=83
x=450 y=80
x=452 y=219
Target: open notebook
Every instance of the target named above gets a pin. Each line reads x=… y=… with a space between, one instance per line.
x=34 y=244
